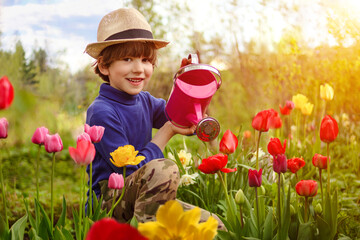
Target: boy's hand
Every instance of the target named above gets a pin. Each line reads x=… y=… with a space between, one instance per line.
x=167 y=131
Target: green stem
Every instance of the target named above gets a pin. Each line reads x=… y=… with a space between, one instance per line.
x=226 y=194
x=121 y=196
x=81 y=201
x=3 y=194
x=52 y=192
x=257 y=151
x=257 y=211
x=328 y=168
x=321 y=188
x=37 y=173
x=241 y=217
x=279 y=205
x=90 y=191
x=306 y=210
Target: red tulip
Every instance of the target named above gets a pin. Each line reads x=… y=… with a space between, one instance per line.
x=84 y=152
x=116 y=181
x=261 y=121
x=95 y=132
x=255 y=178
x=307 y=188
x=328 y=129
x=109 y=229
x=294 y=164
x=7 y=93
x=53 y=143
x=274 y=146
x=228 y=143
x=320 y=161
x=286 y=110
x=84 y=136
x=215 y=163
x=4 y=127
x=40 y=135
x=280 y=164
x=274 y=120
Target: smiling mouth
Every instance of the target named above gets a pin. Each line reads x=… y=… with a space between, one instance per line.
x=135 y=80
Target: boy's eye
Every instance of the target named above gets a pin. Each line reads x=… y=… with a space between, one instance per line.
x=126 y=59
x=146 y=60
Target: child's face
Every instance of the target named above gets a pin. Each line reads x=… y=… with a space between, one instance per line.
x=129 y=74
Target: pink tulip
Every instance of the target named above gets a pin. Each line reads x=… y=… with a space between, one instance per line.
x=280 y=164
x=53 y=143
x=116 y=181
x=39 y=135
x=95 y=132
x=255 y=178
x=83 y=136
x=84 y=152
x=4 y=127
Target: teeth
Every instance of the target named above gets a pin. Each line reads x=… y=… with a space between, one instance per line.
x=133 y=80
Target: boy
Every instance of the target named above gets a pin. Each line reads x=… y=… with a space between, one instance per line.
x=126 y=54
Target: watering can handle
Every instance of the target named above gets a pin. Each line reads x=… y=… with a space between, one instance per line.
x=196 y=66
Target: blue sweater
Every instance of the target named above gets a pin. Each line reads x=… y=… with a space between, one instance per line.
x=127 y=119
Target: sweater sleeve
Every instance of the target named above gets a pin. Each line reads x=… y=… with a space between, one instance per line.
x=115 y=135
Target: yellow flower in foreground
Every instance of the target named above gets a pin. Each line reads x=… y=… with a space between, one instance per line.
x=173 y=223
x=326 y=92
x=299 y=100
x=307 y=108
x=125 y=155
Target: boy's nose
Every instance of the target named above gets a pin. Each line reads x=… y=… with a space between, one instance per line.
x=138 y=66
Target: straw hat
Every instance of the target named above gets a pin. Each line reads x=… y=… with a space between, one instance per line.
x=122 y=25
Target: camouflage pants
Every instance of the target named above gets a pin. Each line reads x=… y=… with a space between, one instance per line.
x=145 y=190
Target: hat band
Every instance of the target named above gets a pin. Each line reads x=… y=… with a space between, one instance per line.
x=131 y=33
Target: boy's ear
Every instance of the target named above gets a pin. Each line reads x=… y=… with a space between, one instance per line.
x=104 y=70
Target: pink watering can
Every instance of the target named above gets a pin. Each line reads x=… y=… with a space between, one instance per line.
x=194 y=86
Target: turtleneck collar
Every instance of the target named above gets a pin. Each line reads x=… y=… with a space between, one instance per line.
x=114 y=94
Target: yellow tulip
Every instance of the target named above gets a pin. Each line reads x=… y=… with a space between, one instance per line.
x=125 y=155
x=307 y=108
x=173 y=223
x=326 y=92
x=299 y=100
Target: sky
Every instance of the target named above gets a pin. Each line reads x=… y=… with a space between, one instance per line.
x=64 y=27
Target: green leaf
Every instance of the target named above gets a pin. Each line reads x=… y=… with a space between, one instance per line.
x=324 y=228
x=61 y=222
x=18 y=228
x=306 y=231
x=268 y=225
x=286 y=217
x=4 y=231
x=44 y=231
x=134 y=222
x=224 y=235
x=33 y=235
x=45 y=221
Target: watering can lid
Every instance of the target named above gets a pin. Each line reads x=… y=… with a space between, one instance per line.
x=197 y=66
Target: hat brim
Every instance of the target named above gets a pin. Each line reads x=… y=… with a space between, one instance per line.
x=94 y=49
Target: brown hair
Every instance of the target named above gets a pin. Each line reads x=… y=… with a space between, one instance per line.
x=128 y=49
